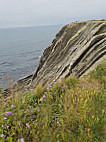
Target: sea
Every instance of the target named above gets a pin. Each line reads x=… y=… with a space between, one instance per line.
x=21 y=49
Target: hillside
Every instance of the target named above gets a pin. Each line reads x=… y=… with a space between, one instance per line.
x=71 y=110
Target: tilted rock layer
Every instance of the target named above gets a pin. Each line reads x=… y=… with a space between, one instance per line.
x=77 y=48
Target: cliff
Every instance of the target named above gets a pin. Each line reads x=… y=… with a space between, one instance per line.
x=76 y=50
x=71 y=109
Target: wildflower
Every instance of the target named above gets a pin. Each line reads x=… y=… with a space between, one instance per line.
x=4 y=104
x=27 y=125
x=61 y=95
x=22 y=139
x=4 y=118
x=38 y=110
x=44 y=96
x=57 y=122
x=8 y=113
x=12 y=106
x=62 y=89
x=0 y=95
x=40 y=99
x=2 y=135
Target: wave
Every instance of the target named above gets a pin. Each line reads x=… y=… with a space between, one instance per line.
x=6 y=63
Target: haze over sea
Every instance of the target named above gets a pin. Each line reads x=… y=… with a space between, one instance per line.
x=21 y=49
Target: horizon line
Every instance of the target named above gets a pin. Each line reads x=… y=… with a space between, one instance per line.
x=31 y=26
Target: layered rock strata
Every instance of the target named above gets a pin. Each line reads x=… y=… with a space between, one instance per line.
x=76 y=50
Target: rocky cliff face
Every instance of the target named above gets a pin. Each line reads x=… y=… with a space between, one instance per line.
x=76 y=50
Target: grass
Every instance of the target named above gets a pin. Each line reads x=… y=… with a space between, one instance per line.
x=67 y=111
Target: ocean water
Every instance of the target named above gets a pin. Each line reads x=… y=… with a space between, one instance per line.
x=21 y=49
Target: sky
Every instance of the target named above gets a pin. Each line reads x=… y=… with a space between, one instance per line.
x=26 y=13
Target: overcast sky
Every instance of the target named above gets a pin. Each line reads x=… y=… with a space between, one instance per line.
x=19 y=13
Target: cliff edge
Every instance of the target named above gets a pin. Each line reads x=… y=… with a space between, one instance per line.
x=76 y=50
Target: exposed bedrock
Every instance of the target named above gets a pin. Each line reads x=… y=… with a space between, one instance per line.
x=76 y=50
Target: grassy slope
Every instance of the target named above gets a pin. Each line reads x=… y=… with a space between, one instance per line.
x=72 y=110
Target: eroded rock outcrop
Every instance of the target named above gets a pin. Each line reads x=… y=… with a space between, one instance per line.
x=77 y=48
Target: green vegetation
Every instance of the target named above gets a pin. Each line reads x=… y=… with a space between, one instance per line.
x=103 y=20
x=72 y=110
